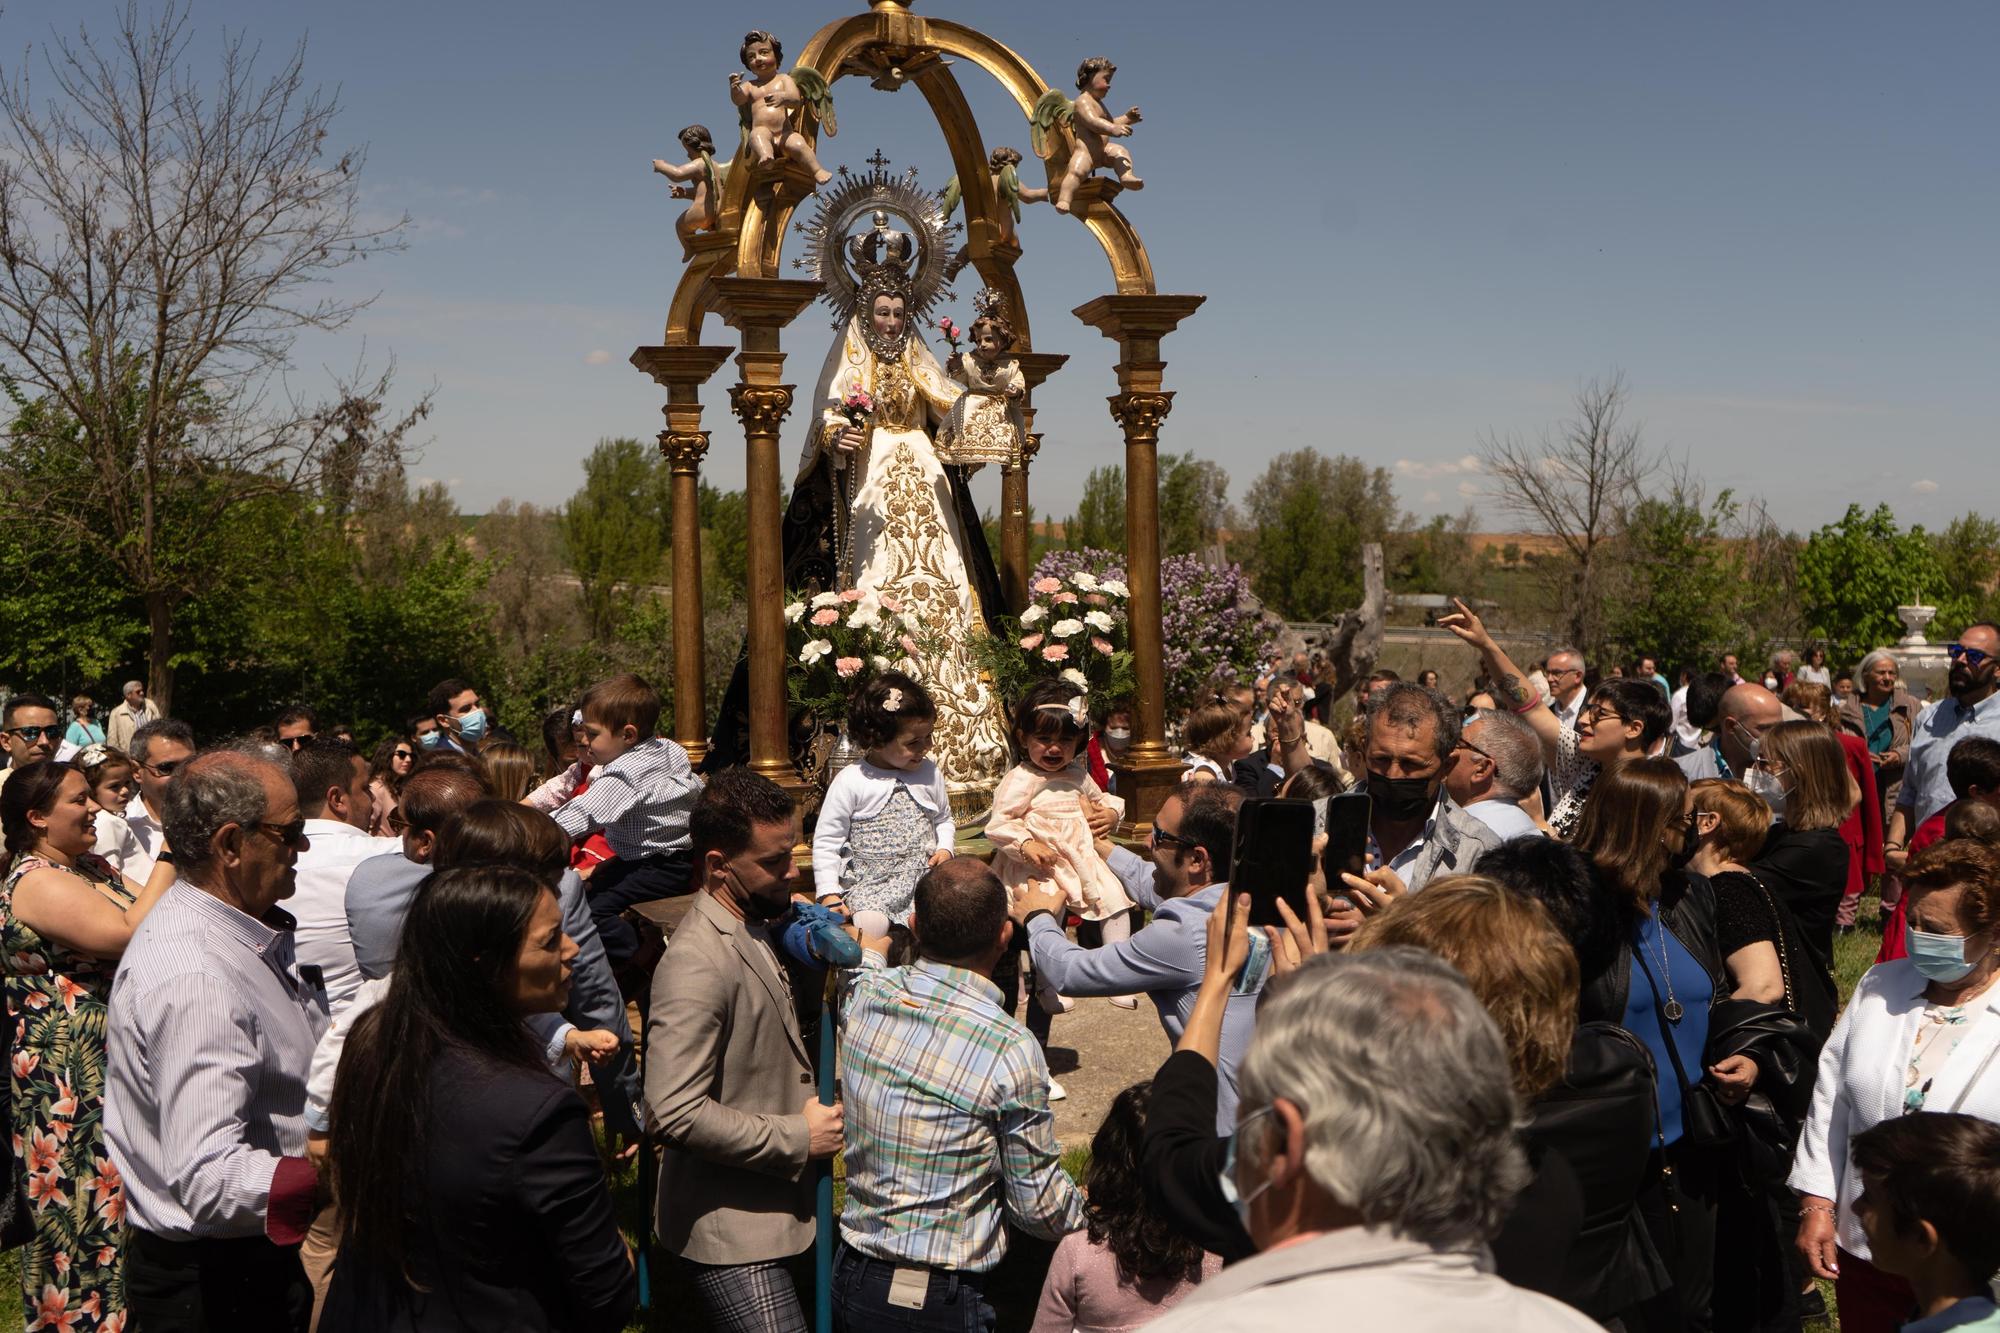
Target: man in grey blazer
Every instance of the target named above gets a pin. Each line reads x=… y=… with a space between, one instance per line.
x=729 y=1088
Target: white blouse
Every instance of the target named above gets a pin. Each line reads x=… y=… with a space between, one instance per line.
x=1863 y=1078
x=861 y=792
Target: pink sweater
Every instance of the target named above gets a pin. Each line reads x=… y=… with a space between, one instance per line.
x=1085 y=1292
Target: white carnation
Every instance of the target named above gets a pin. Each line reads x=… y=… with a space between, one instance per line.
x=795 y=612
x=1033 y=615
x=864 y=617
x=1076 y=678
x=879 y=662
x=1098 y=621
x=826 y=599
x=1062 y=629
x=1085 y=580
x=1115 y=588
x=814 y=650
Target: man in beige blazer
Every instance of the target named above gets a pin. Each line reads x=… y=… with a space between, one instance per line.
x=729 y=1091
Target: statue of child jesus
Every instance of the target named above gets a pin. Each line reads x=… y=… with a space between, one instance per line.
x=985 y=424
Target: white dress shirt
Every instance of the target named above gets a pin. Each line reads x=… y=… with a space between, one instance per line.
x=148 y=834
x=1686 y=732
x=1504 y=817
x=1862 y=1082
x=209 y=1037
x=319 y=902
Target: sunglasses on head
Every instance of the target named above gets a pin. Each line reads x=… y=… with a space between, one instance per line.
x=1972 y=657
x=32 y=734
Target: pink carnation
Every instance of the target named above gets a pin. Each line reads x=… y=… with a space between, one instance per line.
x=1097 y=599
x=1102 y=646
x=891 y=604
x=847 y=666
x=909 y=645
x=851 y=595
x=825 y=616
x=1066 y=598
x=1030 y=642
x=1047 y=585
x=1055 y=652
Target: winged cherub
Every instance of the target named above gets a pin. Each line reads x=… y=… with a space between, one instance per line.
x=766 y=100
x=703 y=177
x=1093 y=126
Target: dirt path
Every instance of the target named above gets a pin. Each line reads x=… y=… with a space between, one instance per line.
x=1096 y=1051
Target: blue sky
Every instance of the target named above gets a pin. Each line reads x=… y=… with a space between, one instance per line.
x=1413 y=222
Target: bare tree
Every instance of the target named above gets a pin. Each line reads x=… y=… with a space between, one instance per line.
x=1575 y=484
x=163 y=243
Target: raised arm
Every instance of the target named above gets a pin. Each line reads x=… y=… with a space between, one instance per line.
x=688 y=171
x=1510 y=683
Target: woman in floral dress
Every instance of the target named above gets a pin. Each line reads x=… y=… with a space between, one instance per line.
x=65 y=917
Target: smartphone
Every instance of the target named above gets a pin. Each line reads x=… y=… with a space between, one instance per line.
x=1346 y=838
x=1273 y=860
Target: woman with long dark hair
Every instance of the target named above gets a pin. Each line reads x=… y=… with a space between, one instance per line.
x=1802 y=772
x=393 y=760
x=1636 y=831
x=1130 y=1263
x=470 y=1189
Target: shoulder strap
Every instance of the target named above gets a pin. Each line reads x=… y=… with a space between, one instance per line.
x=1660 y=1017
x=1778 y=924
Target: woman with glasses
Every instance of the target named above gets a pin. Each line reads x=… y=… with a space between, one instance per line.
x=1621 y=720
x=65 y=918
x=394 y=758
x=1921 y=1034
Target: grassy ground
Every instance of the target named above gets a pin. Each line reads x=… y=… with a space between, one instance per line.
x=1018 y=1282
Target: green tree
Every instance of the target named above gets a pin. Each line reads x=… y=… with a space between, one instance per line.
x=612 y=532
x=1679 y=607
x=1194 y=504
x=1968 y=557
x=1308 y=518
x=1439 y=558
x=1854 y=573
x=162 y=246
x=725 y=551
x=1099 y=520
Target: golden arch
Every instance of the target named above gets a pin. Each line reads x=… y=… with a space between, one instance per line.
x=889 y=45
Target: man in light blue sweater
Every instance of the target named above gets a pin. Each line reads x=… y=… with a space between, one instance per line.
x=1194 y=837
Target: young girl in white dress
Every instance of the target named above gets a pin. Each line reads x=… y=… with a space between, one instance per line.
x=1217 y=735
x=1040 y=827
x=886 y=818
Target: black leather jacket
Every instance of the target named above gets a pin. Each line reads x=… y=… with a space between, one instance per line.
x=1687 y=908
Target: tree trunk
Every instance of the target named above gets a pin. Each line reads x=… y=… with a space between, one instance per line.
x=1356 y=642
x=159 y=654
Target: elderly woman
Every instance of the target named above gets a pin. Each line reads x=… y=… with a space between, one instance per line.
x=83 y=731
x=1921 y=1034
x=1620 y=721
x=1883 y=714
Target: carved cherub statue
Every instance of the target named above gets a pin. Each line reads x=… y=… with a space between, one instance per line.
x=985 y=424
x=766 y=100
x=1093 y=126
x=704 y=176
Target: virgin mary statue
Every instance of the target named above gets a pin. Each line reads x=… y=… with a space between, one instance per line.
x=874 y=508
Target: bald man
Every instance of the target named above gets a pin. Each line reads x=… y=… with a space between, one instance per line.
x=1746 y=710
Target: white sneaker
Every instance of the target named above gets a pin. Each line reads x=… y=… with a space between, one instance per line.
x=1125 y=1001
x=1056 y=1092
x=1053 y=1003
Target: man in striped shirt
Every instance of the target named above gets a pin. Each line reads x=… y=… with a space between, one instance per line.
x=210 y=1037
x=949 y=1131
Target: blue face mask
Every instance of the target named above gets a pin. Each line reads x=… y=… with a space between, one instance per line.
x=472 y=726
x=432 y=739
x=1938 y=957
x=1228 y=1174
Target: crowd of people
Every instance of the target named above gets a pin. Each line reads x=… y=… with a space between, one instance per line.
x=307 y=1037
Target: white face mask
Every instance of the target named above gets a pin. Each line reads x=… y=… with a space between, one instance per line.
x=1768 y=787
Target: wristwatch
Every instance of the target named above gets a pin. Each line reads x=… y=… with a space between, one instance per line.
x=1029 y=919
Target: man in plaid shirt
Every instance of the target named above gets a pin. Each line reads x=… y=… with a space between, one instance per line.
x=948 y=1126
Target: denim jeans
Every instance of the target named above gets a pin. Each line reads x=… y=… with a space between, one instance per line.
x=953 y=1302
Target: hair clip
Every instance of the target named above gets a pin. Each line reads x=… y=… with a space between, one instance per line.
x=892 y=702
x=576 y=718
x=94 y=753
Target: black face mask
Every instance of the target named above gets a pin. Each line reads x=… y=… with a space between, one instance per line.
x=1400 y=799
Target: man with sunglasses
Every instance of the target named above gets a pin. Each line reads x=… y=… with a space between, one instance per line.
x=133 y=713
x=32 y=731
x=211 y=1033
x=1495 y=765
x=1971 y=710
x=158 y=749
x=1194 y=841
x=297 y=726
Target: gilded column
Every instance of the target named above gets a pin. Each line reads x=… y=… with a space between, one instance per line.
x=683 y=370
x=1150 y=771
x=759 y=309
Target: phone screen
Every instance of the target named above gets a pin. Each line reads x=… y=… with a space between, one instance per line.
x=1346 y=837
x=1273 y=857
